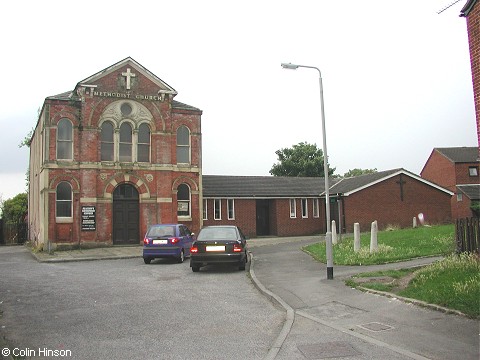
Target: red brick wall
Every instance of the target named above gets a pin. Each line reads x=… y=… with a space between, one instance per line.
x=382 y=202
x=439 y=170
x=463 y=176
x=280 y=222
x=473 y=28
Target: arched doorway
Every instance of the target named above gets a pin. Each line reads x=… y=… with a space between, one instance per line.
x=125 y=215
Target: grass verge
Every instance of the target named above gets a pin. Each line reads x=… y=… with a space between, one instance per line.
x=393 y=246
x=453 y=283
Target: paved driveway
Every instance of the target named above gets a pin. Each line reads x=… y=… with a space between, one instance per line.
x=123 y=309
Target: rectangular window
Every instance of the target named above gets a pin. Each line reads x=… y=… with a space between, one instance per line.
x=205 y=209
x=293 y=208
x=316 y=213
x=217 y=209
x=304 y=208
x=459 y=197
x=231 y=209
x=473 y=171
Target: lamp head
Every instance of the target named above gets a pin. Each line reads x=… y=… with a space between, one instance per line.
x=290 y=66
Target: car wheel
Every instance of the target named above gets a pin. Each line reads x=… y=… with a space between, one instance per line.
x=241 y=266
x=195 y=268
x=147 y=260
x=181 y=258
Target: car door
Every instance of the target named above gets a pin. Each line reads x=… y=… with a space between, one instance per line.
x=186 y=239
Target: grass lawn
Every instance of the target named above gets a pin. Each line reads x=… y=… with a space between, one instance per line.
x=453 y=282
x=393 y=246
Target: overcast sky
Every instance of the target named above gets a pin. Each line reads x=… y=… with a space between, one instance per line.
x=396 y=75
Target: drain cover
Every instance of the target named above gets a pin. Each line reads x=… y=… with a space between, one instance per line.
x=333 y=349
x=376 y=326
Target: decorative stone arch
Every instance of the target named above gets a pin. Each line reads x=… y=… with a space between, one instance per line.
x=126 y=109
x=138 y=183
x=67 y=178
x=185 y=180
x=56 y=117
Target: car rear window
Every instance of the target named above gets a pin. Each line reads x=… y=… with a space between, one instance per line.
x=159 y=231
x=217 y=234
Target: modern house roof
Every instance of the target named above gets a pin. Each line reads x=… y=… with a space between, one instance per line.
x=472 y=191
x=459 y=154
x=278 y=187
x=467 y=8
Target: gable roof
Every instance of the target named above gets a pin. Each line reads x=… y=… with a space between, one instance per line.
x=283 y=187
x=472 y=191
x=467 y=8
x=351 y=185
x=165 y=88
x=261 y=186
x=459 y=154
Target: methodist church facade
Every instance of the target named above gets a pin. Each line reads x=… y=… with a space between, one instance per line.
x=111 y=157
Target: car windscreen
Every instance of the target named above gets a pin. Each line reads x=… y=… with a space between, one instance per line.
x=161 y=231
x=217 y=234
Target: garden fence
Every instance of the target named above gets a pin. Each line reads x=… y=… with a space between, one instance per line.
x=13 y=233
x=467 y=235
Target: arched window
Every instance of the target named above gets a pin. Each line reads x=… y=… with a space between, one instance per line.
x=107 y=142
x=64 y=200
x=143 y=152
x=125 y=148
x=183 y=145
x=183 y=200
x=64 y=140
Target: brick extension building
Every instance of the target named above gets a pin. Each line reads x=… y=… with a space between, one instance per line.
x=112 y=156
x=456 y=169
x=265 y=205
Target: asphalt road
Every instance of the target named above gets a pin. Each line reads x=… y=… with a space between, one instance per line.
x=123 y=309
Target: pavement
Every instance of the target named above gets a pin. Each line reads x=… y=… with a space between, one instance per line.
x=327 y=319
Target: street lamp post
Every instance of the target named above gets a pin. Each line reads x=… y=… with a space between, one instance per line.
x=328 y=235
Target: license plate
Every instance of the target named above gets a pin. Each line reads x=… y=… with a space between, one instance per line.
x=215 y=248
x=159 y=242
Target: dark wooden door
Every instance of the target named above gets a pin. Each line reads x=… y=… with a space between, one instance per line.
x=125 y=215
x=263 y=217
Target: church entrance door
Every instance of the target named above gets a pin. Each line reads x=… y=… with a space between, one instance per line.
x=125 y=215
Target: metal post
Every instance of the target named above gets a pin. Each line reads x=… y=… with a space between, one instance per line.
x=328 y=235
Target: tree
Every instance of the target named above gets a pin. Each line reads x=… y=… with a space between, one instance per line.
x=15 y=210
x=303 y=160
x=358 y=172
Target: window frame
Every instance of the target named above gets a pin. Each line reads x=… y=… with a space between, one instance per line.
x=304 y=203
x=141 y=144
x=62 y=217
x=205 y=209
x=316 y=208
x=180 y=147
x=125 y=144
x=293 y=208
x=102 y=142
x=184 y=201
x=231 y=209
x=64 y=142
x=217 y=208
x=473 y=171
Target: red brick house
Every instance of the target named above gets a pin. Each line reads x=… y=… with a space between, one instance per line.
x=279 y=206
x=456 y=169
x=471 y=11
x=112 y=156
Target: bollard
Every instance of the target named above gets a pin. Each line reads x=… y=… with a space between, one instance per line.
x=334 y=233
x=356 y=237
x=414 y=222
x=373 y=237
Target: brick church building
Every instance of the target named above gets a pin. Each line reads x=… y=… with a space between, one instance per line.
x=111 y=157
x=118 y=153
